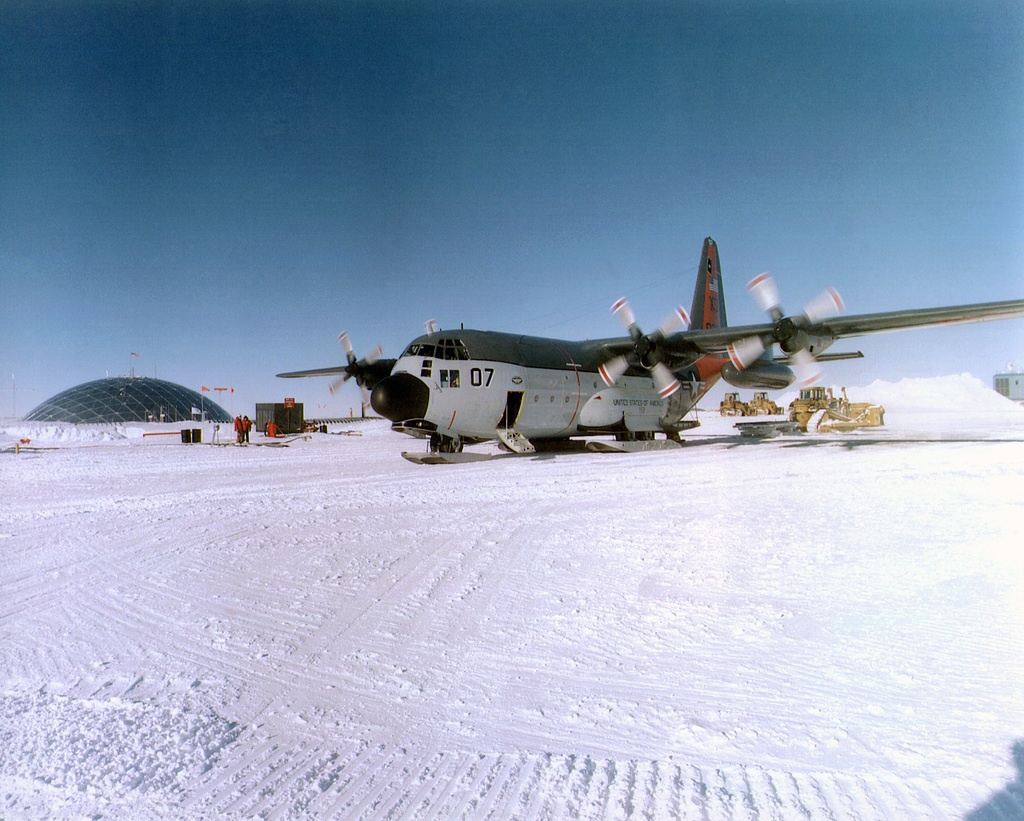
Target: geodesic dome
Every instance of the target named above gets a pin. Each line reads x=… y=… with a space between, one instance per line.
x=128 y=399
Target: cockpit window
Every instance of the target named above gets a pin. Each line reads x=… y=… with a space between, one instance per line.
x=450 y=349
x=419 y=350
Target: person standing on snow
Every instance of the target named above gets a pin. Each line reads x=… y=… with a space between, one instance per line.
x=246 y=427
x=238 y=430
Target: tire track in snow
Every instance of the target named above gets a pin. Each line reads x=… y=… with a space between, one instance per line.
x=384 y=781
x=481 y=767
x=420 y=588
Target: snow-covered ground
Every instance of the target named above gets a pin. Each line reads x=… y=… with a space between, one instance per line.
x=817 y=626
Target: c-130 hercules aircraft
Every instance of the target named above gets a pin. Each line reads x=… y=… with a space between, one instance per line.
x=463 y=387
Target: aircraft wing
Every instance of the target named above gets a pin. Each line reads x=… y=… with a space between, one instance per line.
x=338 y=370
x=366 y=374
x=716 y=340
x=923 y=317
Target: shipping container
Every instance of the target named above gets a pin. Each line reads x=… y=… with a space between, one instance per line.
x=287 y=416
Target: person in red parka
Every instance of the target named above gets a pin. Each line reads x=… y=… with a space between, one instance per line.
x=246 y=427
x=238 y=430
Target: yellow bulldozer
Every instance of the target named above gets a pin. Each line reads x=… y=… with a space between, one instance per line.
x=760 y=405
x=818 y=409
x=732 y=406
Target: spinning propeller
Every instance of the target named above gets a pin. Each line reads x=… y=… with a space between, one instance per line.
x=646 y=349
x=356 y=368
x=790 y=331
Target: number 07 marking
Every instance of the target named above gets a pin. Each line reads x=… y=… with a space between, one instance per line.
x=476 y=377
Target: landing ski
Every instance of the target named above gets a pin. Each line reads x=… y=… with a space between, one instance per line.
x=605 y=446
x=428 y=458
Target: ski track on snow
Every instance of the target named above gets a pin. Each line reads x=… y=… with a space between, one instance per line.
x=791 y=629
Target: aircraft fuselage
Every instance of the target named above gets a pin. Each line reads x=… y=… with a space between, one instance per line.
x=468 y=384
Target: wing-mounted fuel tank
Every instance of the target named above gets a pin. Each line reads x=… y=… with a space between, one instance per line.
x=763 y=374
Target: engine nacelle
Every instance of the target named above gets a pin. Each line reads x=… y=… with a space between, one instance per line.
x=759 y=375
x=792 y=338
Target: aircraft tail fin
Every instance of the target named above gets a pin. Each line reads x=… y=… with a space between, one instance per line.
x=709 y=297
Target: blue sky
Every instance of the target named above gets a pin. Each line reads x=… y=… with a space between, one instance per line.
x=224 y=187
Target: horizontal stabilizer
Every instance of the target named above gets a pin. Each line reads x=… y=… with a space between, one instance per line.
x=825 y=357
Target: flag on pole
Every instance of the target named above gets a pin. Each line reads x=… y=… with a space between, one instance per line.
x=205 y=388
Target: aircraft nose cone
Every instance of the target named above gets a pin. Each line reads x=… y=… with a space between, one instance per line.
x=400 y=396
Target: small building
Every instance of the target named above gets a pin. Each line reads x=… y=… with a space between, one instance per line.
x=288 y=416
x=1010 y=385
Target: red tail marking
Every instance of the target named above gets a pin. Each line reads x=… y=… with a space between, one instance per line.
x=712 y=319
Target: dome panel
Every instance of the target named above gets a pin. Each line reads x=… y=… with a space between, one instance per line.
x=127 y=399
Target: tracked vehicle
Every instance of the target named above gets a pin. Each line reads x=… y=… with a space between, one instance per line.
x=818 y=409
